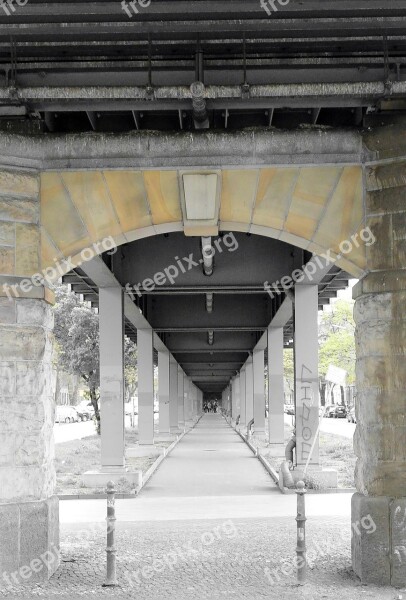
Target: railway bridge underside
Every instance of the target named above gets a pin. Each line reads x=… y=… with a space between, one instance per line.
x=208 y=176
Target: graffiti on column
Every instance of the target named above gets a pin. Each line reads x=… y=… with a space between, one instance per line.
x=306 y=403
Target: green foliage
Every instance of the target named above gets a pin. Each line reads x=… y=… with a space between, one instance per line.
x=288 y=367
x=336 y=339
x=77 y=336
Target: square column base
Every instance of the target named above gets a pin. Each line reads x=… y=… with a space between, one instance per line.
x=100 y=478
x=29 y=541
x=378 y=539
x=320 y=478
x=143 y=450
x=276 y=451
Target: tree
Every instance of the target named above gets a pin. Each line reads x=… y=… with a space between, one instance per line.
x=336 y=339
x=77 y=336
x=130 y=370
x=288 y=368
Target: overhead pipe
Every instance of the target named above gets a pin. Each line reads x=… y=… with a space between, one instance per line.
x=209 y=302
x=200 y=115
x=207 y=254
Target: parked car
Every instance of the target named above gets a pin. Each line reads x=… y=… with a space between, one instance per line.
x=85 y=411
x=351 y=418
x=289 y=409
x=329 y=410
x=340 y=412
x=128 y=408
x=66 y=414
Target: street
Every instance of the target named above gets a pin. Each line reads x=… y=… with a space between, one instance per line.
x=334 y=426
x=65 y=432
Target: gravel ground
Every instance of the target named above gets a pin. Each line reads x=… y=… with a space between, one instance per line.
x=210 y=559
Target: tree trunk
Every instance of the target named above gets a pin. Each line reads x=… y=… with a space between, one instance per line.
x=95 y=404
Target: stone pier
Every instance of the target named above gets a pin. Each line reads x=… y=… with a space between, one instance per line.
x=379 y=553
x=29 y=513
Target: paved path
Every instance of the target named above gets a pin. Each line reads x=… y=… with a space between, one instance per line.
x=211 y=525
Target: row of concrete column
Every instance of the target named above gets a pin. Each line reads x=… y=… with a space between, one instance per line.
x=180 y=401
x=245 y=397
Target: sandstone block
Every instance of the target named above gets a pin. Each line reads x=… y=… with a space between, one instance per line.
x=370 y=542
x=7 y=262
x=29 y=532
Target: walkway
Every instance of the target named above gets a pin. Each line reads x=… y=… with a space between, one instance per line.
x=211 y=461
x=210 y=524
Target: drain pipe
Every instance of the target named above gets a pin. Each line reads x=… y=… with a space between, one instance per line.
x=200 y=116
x=207 y=255
x=287 y=478
x=290 y=447
x=249 y=428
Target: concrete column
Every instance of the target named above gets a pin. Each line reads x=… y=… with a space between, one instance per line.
x=306 y=374
x=194 y=401
x=181 y=398
x=235 y=406
x=29 y=512
x=145 y=347
x=111 y=332
x=163 y=379
x=187 y=395
x=259 y=392
x=243 y=419
x=276 y=392
x=173 y=402
x=249 y=390
x=379 y=554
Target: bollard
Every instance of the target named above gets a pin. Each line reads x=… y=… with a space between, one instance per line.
x=301 y=533
x=111 y=579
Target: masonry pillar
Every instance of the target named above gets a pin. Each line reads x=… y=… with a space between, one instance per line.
x=243 y=419
x=306 y=375
x=29 y=512
x=163 y=378
x=249 y=390
x=235 y=399
x=173 y=400
x=145 y=347
x=181 y=399
x=379 y=556
x=111 y=333
x=259 y=392
x=276 y=424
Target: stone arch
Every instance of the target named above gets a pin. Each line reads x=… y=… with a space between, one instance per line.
x=315 y=208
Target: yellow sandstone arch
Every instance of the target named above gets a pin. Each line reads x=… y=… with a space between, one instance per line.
x=314 y=208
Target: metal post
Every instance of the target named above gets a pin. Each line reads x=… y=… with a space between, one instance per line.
x=111 y=579
x=301 y=533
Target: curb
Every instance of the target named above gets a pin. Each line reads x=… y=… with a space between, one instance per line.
x=145 y=478
x=266 y=465
x=275 y=476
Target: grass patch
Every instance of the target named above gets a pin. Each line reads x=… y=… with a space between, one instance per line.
x=336 y=452
x=75 y=457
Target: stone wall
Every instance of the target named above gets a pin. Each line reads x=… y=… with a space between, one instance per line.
x=28 y=511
